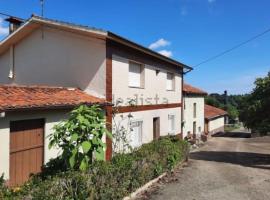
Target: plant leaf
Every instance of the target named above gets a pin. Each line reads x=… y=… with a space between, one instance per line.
x=74 y=137
x=100 y=154
x=72 y=158
x=86 y=146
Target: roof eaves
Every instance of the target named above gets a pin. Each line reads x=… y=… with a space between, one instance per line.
x=134 y=45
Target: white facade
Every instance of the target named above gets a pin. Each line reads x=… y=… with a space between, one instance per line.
x=152 y=91
x=215 y=125
x=146 y=117
x=58 y=58
x=189 y=117
x=51 y=118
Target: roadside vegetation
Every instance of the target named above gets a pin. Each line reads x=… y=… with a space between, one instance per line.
x=80 y=172
x=252 y=109
x=255 y=107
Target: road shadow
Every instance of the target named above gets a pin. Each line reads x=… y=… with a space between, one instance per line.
x=256 y=160
x=233 y=134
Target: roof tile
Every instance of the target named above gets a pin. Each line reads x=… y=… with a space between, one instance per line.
x=31 y=97
x=188 y=89
x=212 y=112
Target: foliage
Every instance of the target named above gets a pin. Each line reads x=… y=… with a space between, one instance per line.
x=231 y=104
x=111 y=180
x=121 y=131
x=255 y=109
x=80 y=136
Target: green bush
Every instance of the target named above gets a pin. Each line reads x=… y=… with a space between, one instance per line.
x=108 y=180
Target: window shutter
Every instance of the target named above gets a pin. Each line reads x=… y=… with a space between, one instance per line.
x=134 y=74
x=169 y=81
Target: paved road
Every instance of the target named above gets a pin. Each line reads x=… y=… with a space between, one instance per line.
x=226 y=168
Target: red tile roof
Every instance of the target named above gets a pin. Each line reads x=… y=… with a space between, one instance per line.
x=33 y=97
x=212 y=112
x=188 y=89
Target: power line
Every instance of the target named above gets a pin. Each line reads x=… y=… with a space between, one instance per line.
x=7 y=15
x=232 y=48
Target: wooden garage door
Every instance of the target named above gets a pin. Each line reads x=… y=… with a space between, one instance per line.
x=26 y=149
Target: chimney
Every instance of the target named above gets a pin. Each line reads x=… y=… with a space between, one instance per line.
x=14 y=23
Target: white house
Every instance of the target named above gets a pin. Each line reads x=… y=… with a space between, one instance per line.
x=193 y=122
x=47 y=67
x=214 y=119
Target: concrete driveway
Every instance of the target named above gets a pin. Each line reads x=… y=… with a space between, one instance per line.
x=231 y=167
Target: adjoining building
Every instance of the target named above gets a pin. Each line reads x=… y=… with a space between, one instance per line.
x=214 y=119
x=193 y=119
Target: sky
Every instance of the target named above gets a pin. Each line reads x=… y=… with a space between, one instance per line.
x=189 y=31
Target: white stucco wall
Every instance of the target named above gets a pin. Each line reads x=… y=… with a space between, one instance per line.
x=51 y=119
x=154 y=84
x=216 y=123
x=60 y=58
x=188 y=115
x=147 y=118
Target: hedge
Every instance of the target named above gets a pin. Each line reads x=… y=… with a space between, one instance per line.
x=104 y=180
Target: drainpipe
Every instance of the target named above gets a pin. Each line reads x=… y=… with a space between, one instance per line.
x=189 y=69
x=11 y=63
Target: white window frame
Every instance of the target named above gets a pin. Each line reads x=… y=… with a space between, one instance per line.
x=139 y=83
x=172 y=87
x=171 y=130
x=140 y=140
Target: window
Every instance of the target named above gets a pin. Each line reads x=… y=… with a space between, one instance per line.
x=136 y=133
x=171 y=120
x=135 y=75
x=170 y=81
x=194 y=110
x=194 y=127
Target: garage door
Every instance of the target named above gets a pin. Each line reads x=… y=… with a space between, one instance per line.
x=26 y=149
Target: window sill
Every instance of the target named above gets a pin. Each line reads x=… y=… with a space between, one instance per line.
x=135 y=87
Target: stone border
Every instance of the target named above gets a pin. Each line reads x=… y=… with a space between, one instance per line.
x=150 y=183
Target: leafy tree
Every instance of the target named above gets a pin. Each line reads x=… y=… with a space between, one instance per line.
x=80 y=137
x=255 y=108
x=212 y=101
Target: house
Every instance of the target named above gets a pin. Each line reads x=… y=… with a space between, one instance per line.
x=47 y=67
x=214 y=119
x=193 y=122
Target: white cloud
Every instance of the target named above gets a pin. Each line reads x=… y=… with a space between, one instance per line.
x=211 y=1
x=3 y=30
x=159 y=43
x=166 y=53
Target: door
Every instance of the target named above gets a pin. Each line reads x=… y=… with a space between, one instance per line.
x=194 y=129
x=156 y=128
x=26 y=149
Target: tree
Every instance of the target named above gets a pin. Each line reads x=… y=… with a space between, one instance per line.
x=255 y=108
x=80 y=137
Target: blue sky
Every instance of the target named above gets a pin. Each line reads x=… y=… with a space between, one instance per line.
x=187 y=30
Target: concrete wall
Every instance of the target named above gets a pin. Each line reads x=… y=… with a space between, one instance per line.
x=147 y=118
x=51 y=119
x=188 y=115
x=59 y=59
x=154 y=84
x=216 y=125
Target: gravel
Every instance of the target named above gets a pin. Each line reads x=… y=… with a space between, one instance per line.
x=224 y=168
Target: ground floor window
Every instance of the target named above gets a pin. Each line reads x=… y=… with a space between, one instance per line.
x=136 y=133
x=171 y=120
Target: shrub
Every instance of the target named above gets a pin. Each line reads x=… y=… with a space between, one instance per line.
x=80 y=136
x=109 y=180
